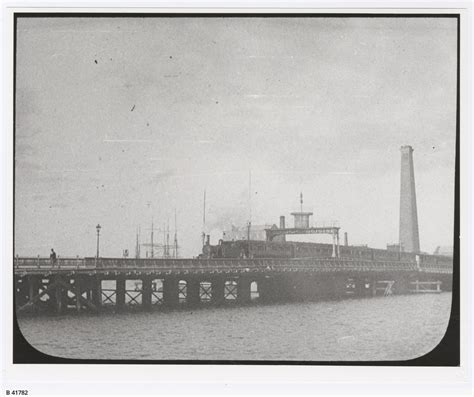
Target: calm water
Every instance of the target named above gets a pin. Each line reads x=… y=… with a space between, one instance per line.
x=392 y=328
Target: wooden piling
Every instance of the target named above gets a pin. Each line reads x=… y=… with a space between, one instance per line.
x=22 y=290
x=78 y=293
x=170 y=292
x=33 y=288
x=283 y=288
x=267 y=288
x=401 y=286
x=360 y=290
x=218 y=291
x=446 y=283
x=146 y=293
x=58 y=296
x=373 y=286
x=339 y=287
x=301 y=289
x=96 y=289
x=243 y=290
x=193 y=296
x=120 y=293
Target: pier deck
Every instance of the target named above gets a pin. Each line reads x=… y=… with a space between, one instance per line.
x=84 y=283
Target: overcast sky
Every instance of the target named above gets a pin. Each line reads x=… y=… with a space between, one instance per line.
x=122 y=119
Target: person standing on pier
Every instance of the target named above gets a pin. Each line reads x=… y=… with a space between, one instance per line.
x=52 y=257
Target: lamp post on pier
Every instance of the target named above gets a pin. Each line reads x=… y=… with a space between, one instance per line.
x=98 y=227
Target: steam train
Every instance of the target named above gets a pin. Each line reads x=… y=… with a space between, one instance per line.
x=294 y=250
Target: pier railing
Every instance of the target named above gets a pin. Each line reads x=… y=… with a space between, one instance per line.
x=35 y=264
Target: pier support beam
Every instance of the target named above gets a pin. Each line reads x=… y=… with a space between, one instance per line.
x=88 y=288
x=339 y=287
x=243 y=290
x=170 y=292
x=146 y=293
x=21 y=291
x=96 y=286
x=58 y=296
x=78 y=293
x=120 y=293
x=283 y=288
x=267 y=289
x=315 y=287
x=324 y=286
x=218 y=288
x=193 y=297
x=298 y=289
x=33 y=288
x=447 y=283
x=329 y=287
x=401 y=286
x=360 y=291
x=309 y=287
x=373 y=286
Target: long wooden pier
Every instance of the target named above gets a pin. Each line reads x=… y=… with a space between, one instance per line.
x=96 y=285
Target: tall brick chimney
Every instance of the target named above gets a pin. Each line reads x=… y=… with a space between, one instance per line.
x=282 y=226
x=282 y=222
x=409 y=237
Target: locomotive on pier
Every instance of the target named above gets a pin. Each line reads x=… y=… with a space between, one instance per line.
x=275 y=245
x=255 y=249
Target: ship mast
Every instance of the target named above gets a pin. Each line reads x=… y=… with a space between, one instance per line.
x=168 y=239
x=137 y=247
x=175 y=244
x=204 y=220
x=152 y=252
x=250 y=213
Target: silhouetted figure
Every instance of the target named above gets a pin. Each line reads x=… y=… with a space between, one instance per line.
x=52 y=257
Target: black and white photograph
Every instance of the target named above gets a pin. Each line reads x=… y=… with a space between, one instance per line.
x=236 y=188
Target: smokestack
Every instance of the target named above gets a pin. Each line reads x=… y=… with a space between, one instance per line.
x=409 y=237
x=208 y=239
x=346 y=242
x=282 y=222
x=282 y=226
